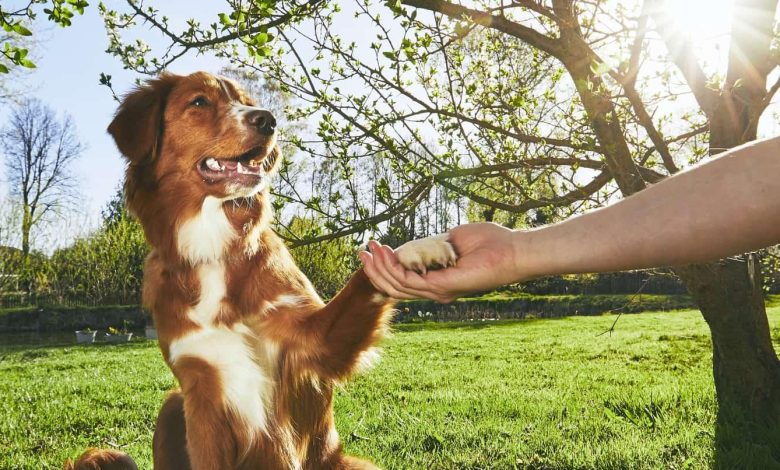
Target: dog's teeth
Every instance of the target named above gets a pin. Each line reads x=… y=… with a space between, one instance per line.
x=214 y=165
x=243 y=170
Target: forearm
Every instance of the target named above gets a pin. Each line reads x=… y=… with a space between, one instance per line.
x=729 y=205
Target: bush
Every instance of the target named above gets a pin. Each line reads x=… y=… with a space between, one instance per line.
x=103 y=268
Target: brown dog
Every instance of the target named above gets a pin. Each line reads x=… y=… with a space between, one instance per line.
x=255 y=350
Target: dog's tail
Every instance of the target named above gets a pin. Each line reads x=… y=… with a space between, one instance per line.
x=102 y=459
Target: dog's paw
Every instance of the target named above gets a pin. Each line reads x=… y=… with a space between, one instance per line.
x=432 y=252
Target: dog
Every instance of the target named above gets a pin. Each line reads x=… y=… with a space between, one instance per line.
x=255 y=351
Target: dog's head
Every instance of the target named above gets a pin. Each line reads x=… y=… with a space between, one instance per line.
x=199 y=135
x=193 y=143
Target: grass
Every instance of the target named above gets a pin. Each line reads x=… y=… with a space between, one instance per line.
x=526 y=394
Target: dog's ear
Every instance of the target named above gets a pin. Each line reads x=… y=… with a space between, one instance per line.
x=138 y=125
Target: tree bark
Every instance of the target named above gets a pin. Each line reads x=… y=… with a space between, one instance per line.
x=27 y=223
x=744 y=363
x=26 y=227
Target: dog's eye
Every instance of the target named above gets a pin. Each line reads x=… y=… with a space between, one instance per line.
x=199 y=102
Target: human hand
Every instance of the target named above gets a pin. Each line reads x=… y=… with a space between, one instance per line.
x=486 y=259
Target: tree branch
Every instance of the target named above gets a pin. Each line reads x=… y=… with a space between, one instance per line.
x=681 y=52
x=499 y=23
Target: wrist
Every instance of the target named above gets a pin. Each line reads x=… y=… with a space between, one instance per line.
x=524 y=260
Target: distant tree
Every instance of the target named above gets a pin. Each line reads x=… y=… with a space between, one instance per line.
x=115 y=210
x=10 y=256
x=103 y=268
x=39 y=151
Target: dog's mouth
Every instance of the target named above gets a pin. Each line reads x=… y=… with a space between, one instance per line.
x=249 y=168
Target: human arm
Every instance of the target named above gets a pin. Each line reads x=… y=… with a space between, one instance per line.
x=727 y=205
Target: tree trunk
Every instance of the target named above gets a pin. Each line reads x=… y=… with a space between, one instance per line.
x=744 y=363
x=26 y=227
x=26 y=279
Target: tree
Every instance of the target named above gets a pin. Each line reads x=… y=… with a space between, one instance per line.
x=39 y=153
x=10 y=256
x=537 y=108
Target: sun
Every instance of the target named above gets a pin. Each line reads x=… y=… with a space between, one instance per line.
x=701 y=19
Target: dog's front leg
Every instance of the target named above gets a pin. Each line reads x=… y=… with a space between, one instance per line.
x=211 y=442
x=349 y=325
x=356 y=318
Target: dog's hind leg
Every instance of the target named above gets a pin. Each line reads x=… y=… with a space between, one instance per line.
x=347 y=462
x=102 y=459
x=339 y=461
x=169 y=445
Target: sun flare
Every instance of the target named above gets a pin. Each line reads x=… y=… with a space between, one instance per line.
x=701 y=18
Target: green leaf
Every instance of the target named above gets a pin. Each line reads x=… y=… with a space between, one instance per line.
x=390 y=55
x=225 y=19
x=105 y=79
x=383 y=191
x=461 y=29
x=600 y=68
x=260 y=38
x=3 y=69
x=21 y=30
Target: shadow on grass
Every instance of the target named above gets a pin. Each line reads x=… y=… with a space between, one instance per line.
x=743 y=443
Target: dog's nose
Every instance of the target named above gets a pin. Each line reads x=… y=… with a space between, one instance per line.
x=262 y=120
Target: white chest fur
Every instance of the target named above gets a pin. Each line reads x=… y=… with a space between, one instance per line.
x=245 y=364
x=211 y=277
x=205 y=236
x=247 y=383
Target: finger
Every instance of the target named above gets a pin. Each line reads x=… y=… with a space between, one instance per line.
x=369 y=267
x=401 y=284
x=412 y=281
x=373 y=245
x=385 y=261
x=379 y=281
x=391 y=270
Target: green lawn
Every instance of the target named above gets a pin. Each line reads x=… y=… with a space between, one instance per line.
x=525 y=394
